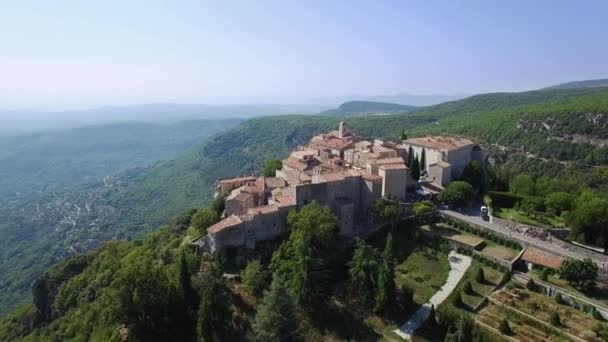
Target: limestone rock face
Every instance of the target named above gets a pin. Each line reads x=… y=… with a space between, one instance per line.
x=44 y=289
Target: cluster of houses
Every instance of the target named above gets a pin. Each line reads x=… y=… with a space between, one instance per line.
x=339 y=169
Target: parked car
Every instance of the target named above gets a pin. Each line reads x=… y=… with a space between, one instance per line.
x=485 y=213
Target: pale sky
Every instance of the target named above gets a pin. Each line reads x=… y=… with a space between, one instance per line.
x=94 y=53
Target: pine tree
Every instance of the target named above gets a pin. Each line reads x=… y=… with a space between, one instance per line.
x=423 y=160
x=275 y=319
x=415 y=169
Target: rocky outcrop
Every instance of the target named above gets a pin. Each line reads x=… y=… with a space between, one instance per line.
x=598 y=119
x=546 y=124
x=44 y=289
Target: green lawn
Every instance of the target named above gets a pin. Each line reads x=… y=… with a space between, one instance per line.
x=538 y=219
x=424 y=272
x=480 y=290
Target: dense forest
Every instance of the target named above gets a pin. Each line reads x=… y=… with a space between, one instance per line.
x=53 y=189
x=560 y=134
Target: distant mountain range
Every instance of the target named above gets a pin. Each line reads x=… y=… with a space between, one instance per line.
x=580 y=84
x=361 y=108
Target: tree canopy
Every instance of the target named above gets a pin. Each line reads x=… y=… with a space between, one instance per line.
x=204 y=218
x=580 y=274
x=271 y=167
x=456 y=193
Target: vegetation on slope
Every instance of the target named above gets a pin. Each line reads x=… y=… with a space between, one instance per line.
x=361 y=108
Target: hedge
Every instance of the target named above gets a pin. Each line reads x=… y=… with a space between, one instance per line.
x=508 y=199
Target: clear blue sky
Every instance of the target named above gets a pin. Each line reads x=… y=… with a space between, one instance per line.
x=89 y=53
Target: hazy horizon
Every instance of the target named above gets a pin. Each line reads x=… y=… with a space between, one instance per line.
x=65 y=55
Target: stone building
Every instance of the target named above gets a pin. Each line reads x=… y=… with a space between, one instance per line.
x=343 y=171
x=445 y=157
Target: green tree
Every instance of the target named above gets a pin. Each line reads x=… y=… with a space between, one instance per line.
x=388 y=209
x=271 y=167
x=410 y=156
x=432 y=320
x=558 y=202
x=554 y=319
x=185 y=283
x=255 y=277
x=415 y=169
x=403 y=135
x=303 y=259
x=423 y=207
x=559 y=299
x=456 y=193
x=204 y=218
x=462 y=330
x=275 y=319
x=523 y=184
x=474 y=175
x=580 y=274
x=544 y=275
x=531 y=285
x=504 y=328
x=480 y=276
x=423 y=160
x=363 y=267
x=589 y=219
x=219 y=203
x=213 y=311
x=386 y=275
x=143 y=295
x=468 y=288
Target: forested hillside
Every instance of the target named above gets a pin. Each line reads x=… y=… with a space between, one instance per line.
x=559 y=134
x=53 y=187
x=361 y=108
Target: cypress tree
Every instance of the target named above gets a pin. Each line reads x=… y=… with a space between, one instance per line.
x=554 y=319
x=410 y=156
x=504 y=327
x=386 y=275
x=432 y=321
x=275 y=319
x=480 y=276
x=423 y=160
x=415 y=169
x=403 y=135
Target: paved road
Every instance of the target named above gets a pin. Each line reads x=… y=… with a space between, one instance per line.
x=571 y=252
x=458 y=266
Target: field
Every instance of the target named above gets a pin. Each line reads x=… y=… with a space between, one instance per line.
x=423 y=272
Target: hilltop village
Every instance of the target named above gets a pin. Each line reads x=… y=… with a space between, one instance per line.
x=339 y=169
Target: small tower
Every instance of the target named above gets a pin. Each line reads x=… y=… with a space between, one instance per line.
x=343 y=130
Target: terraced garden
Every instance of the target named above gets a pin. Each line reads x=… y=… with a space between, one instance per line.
x=533 y=312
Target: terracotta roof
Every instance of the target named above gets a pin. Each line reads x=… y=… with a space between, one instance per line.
x=275 y=182
x=370 y=176
x=440 y=142
x=540 y=257
x=265 y=209
x=237 y=179
x=285 y=201
x=294 y=163
x=393 y=167
x=228 y=222
x=386 y=161
x=242 y=197
x=301 y=154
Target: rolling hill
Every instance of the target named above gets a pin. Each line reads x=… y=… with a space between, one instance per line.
x=362 y=108
x=552 y=133
x=579 y=84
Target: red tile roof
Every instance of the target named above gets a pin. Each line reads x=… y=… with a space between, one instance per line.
x=542 y=258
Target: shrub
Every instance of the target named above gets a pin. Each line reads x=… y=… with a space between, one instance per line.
x=544 y=275
x=480 y=276
x=504 y=327
x=559 y=299
x=554 y=319
x=468 y=288
x=530 y=285
x=506 y=277
x=596 y=314
x=457 y=300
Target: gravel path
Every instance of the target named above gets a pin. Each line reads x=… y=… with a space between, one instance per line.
x=459 y=264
